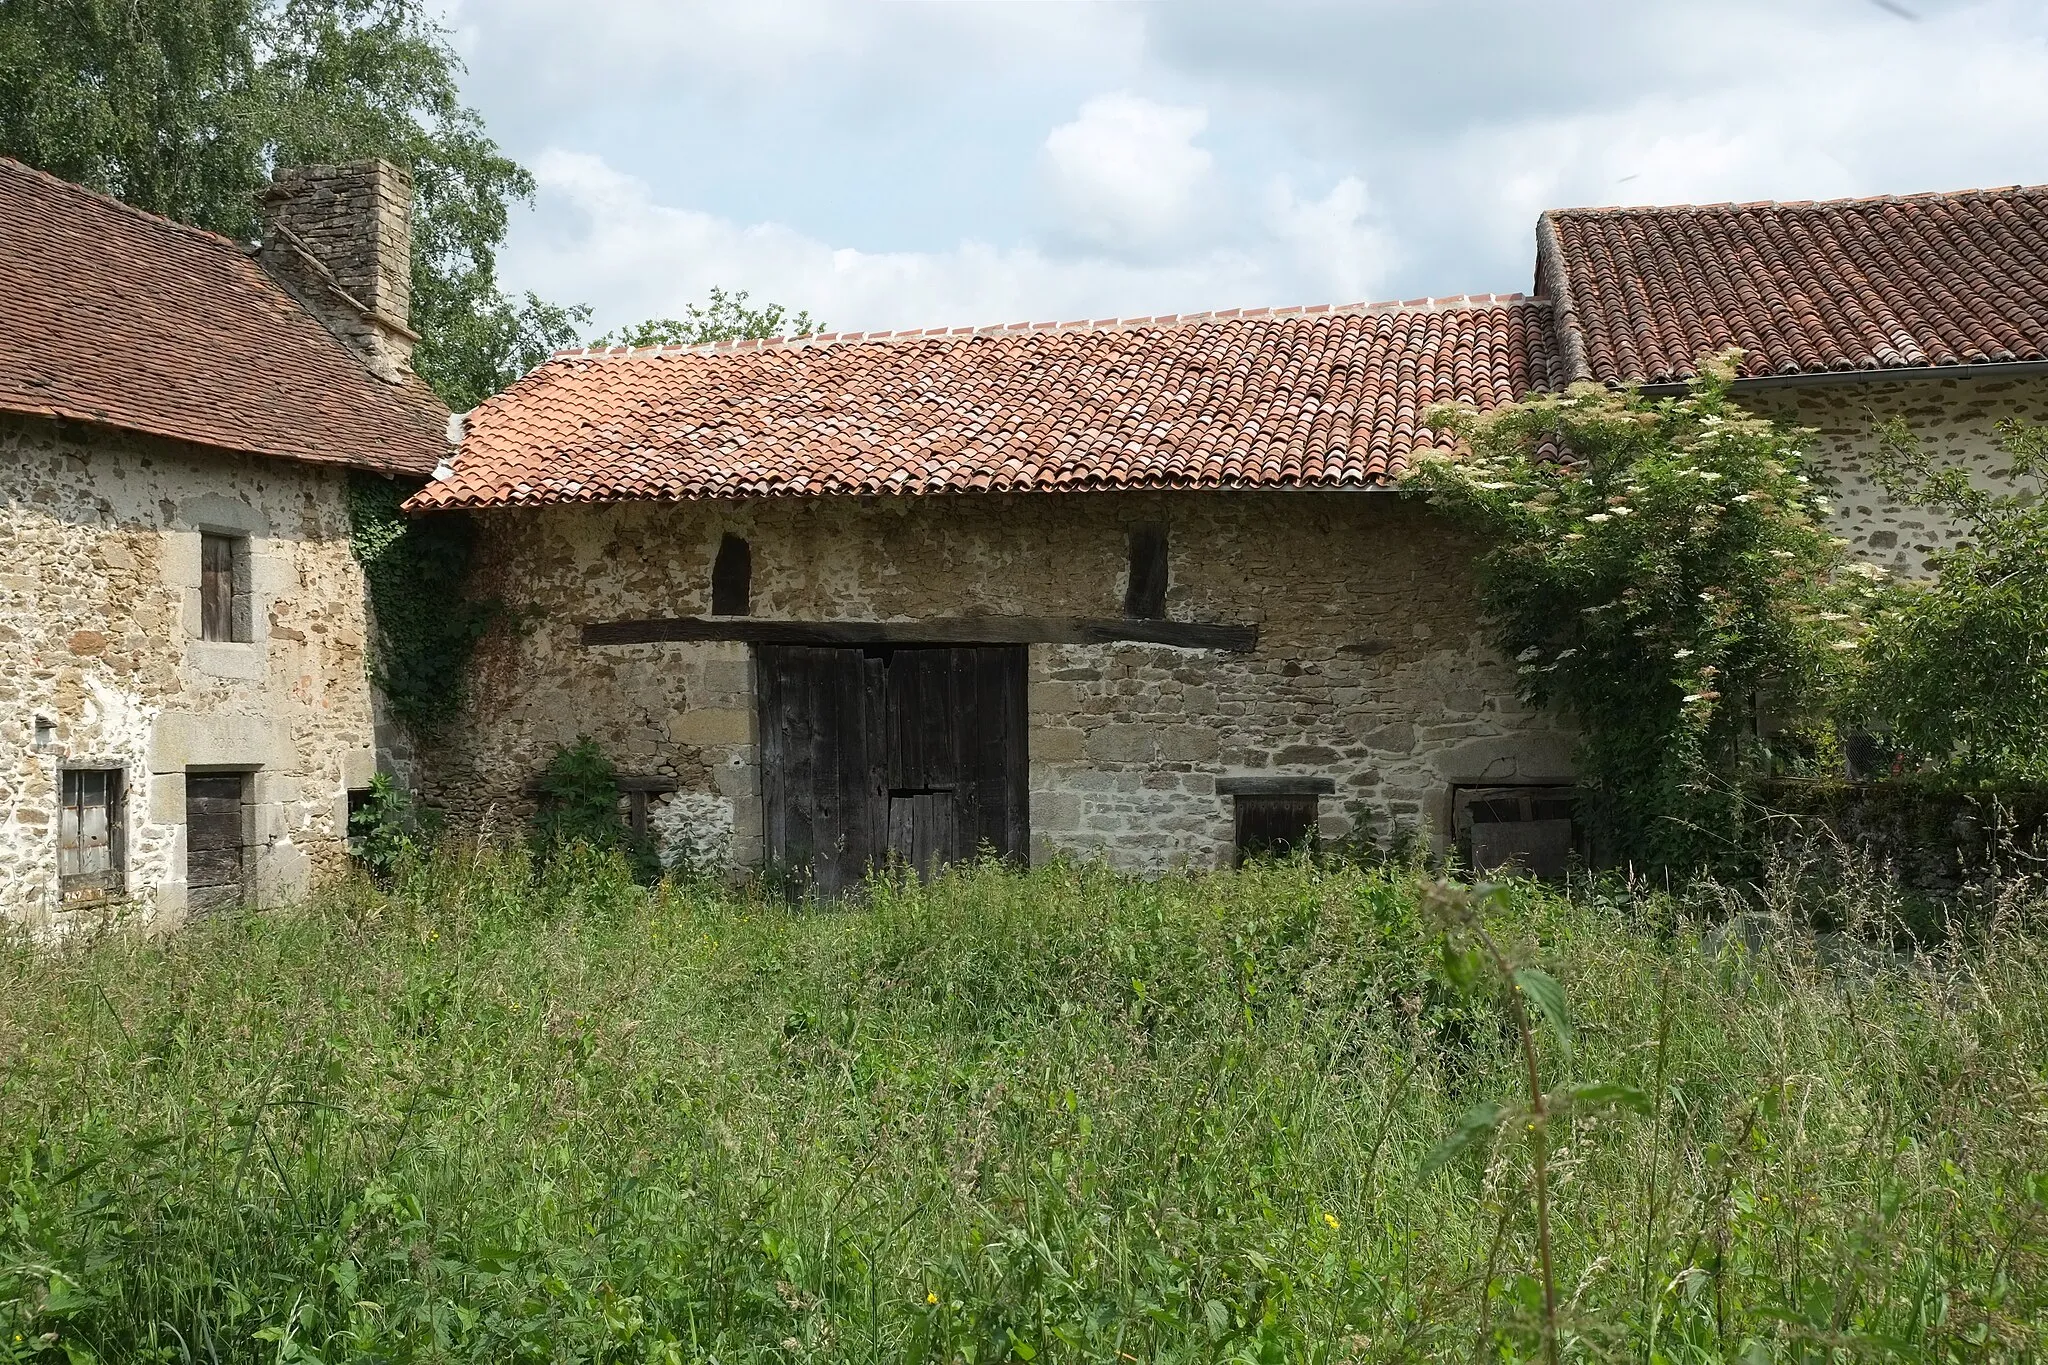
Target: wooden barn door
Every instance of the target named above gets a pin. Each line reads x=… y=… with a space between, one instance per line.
x=910 y=754
x=214 y=872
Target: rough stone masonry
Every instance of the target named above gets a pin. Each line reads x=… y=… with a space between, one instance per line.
x=1370 y=670
x=101 y=664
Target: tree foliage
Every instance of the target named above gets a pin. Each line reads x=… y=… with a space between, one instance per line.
x=185 y=107
x=1956 y=671
x=726 y=317
x=1651 y=564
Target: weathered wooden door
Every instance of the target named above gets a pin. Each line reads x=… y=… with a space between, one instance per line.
x=910 y=754
x=213 y=839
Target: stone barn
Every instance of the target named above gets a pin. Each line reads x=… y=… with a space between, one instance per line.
x=1133 y=591
x=1140 y=590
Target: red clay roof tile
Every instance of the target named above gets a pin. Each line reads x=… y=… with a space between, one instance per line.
x=1840 y=286
x=1285 y=399
x=118 y=317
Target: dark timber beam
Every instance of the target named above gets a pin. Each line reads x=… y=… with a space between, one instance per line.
x=954 y=630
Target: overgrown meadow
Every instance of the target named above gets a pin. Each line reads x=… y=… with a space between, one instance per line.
x=1061 y=1115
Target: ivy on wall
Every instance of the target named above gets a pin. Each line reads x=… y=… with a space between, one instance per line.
x=427 y=625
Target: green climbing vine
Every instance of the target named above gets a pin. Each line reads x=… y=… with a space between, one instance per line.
x=1653 y=566
x=428 y=626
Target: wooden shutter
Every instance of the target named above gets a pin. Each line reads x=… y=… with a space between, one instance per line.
x=216 y=587
x=89 y=828
x=1273 y=826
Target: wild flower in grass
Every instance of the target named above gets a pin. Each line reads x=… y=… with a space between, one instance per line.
x=1331 y=1219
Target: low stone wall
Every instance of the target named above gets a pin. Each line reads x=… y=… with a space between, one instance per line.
x=1935 y=839
x=1371 y=669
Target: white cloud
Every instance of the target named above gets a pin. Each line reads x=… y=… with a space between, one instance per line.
x=1127 y=172
x=1336 y=238
x=867 y=160
x=601 y=237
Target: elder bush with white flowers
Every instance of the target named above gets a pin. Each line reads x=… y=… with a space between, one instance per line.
x=1655 y=565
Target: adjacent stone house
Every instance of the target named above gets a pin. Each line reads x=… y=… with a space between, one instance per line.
x=1928 y=307
x=184 y=699
x=1140 y=589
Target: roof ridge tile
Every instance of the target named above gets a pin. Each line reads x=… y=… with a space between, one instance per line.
x=1000 y=329
x=1845 y=202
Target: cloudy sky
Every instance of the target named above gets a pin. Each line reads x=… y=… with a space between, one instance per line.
x=926 y=162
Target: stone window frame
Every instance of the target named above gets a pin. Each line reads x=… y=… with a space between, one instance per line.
x=245 y=656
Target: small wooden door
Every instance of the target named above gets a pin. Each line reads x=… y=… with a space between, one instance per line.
x=214 y=869
x=910 y=754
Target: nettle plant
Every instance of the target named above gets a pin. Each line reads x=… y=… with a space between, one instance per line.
x=1956 y=670
x=1654 y=566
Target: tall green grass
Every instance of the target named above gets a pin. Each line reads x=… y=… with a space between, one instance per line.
x=1060 y=1115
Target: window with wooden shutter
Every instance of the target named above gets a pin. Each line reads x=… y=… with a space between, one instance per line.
x=1526 y=831
x=1275 y=814
x=223 y=587
x=1274 y=826
x=90 y=829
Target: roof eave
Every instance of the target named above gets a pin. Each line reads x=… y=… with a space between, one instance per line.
x=395 y=468
x=1897 y=373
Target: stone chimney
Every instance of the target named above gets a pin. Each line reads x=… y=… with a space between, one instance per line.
x=339 y=239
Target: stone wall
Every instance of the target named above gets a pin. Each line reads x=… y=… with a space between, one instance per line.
x=99 y=641
x=1370 y=668
x=1956 y=418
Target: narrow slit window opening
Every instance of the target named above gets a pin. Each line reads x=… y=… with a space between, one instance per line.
x=732 y=575
x=1146 y=582
x=224 y=599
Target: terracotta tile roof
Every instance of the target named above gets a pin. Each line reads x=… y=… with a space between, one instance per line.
x=115 y=316
x=1299 y=398
x=1845 y=285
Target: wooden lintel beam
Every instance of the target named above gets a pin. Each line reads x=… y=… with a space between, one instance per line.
x=953 y=630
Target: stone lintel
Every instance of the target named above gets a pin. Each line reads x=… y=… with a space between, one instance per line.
x=1276 y=784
